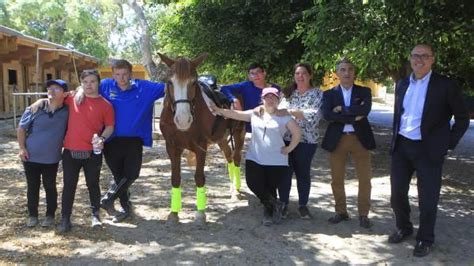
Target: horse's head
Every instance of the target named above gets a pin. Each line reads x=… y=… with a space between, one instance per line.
x=181 y=87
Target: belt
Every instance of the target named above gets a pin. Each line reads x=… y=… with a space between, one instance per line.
x=409 y=140
x=349 y=133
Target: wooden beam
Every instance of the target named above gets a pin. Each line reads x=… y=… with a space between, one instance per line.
x=21 y=53
x=47 y=56
x=8 y=45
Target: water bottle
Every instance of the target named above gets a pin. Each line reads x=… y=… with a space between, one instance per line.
x=95 y=144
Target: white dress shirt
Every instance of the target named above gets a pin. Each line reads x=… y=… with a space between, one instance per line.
x=347 y=93
x=413 y=104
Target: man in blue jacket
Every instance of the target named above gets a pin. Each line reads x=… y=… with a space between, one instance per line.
x=133 y=101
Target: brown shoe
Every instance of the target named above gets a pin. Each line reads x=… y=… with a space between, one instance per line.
x=365 y=222
x=339 y=217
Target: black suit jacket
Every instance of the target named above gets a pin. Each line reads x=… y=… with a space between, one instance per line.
x=361 y=103
x=443 y=100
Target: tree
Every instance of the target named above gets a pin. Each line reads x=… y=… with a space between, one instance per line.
x=379 y=35
x=235 y=34
x=80 y=25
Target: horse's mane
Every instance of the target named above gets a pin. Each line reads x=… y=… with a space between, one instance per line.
x=184 y=69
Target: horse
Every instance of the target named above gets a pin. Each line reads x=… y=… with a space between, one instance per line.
x=231 y=147
x=186 y=122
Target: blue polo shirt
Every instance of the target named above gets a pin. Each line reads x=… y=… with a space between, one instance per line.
x=251 y=95
x=133 y=107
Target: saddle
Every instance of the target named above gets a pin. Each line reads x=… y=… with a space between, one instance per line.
x=208 y=84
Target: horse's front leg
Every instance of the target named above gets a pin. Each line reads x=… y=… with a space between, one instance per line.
x=174 y=154
x=200 y=179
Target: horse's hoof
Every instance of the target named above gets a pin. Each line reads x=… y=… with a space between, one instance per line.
x=173 y=219
x=200 y=219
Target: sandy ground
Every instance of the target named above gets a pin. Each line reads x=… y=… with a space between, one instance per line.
x=234 y=234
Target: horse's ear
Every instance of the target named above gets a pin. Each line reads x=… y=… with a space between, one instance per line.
x=168 y=61
x=198 y=60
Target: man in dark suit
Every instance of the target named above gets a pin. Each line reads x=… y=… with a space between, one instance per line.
x=425 y=102
x=346 y=107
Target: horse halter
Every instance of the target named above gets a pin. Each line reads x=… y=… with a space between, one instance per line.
x=169 y=85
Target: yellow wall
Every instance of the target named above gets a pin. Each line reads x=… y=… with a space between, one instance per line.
x=331 y=80
x=138 y=72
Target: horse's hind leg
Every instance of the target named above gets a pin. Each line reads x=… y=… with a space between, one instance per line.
x=200 y=179
x=174 y=154
x=228 y=154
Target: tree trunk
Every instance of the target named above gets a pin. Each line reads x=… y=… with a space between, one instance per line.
x=155 y=72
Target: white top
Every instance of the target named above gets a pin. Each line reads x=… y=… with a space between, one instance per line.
x=267 y=139
x=413 y=104
x=310 y=104
x=347 y=102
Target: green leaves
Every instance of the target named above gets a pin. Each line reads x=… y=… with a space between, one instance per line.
x=379 y=35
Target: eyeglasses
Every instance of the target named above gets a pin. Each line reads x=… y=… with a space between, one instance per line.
x=55 y=89
x=421 y=56
x=255 y=73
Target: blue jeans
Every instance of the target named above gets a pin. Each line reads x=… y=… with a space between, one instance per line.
x=299 y=161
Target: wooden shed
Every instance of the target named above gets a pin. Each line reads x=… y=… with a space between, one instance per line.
x=21 y=55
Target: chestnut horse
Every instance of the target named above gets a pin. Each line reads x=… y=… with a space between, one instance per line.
x=186 y=122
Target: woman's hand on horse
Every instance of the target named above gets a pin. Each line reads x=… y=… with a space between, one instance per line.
x=259 y=110
x=216 y=110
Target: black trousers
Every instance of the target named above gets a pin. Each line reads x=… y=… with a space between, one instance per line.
x=264 y=180
x=408 y=157
x=34 y=173
x=124 y=156
x=71 y=169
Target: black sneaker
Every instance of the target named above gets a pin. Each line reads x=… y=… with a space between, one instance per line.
x=277 y=211
x=399 y=235
x=304 y=213
x=32 y=221
x=108 y=207
x=267 y=216
x=121 y=216
x=65 y=225
x=422 y=249
x=284 y=212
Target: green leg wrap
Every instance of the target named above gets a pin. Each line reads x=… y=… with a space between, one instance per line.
x=176 y=199
x=201 y=198
x=230 y=169
x=237 y=177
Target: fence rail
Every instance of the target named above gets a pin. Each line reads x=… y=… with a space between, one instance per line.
x=25 y=95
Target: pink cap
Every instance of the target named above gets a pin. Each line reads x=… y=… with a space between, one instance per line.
x=271 y=90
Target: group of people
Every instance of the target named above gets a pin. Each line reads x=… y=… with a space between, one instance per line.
x=110 y=114
x=284 y=136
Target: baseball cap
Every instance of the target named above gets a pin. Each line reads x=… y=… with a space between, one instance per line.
x=271 y=90
x=58 y=82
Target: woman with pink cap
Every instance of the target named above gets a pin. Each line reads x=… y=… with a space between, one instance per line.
x=267 y=156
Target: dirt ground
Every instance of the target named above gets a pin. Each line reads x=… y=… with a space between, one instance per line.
x=234 y=234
